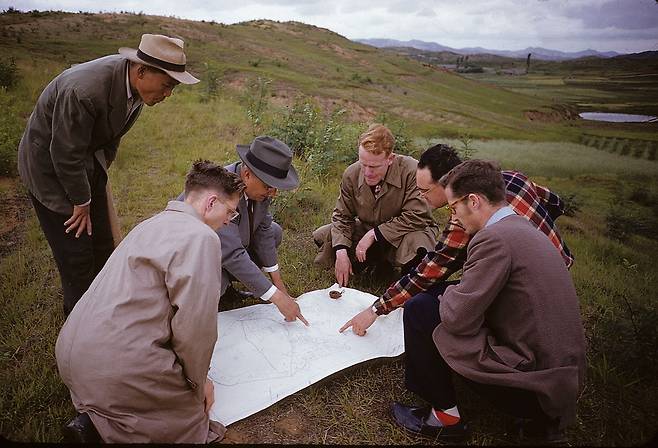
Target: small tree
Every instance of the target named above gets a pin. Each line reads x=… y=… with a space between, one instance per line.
x=527 y=64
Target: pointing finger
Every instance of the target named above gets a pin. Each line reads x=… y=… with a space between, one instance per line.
x=299 y=315
x=347 y=325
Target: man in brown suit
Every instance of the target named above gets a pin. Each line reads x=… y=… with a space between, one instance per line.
x=380 y=218
x=511 y=328
x=71 y=139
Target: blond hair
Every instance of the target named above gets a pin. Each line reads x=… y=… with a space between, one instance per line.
x=377 y=139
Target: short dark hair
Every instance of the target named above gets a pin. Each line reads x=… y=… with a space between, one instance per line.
x=439 y=159
x=476 y=176
x=207 y=175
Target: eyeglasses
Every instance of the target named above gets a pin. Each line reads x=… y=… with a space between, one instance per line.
x=425 y=191
x=232 y=213
x=451 y=206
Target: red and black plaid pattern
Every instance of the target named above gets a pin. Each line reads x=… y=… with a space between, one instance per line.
x=536 y=203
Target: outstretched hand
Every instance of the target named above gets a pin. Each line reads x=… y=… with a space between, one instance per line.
x=343 y=267
x=288 y=307
x=361 y=322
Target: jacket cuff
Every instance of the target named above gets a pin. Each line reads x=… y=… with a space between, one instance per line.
x=269 y=293
x=339 y=247
x=379 y=308
x=379 y=237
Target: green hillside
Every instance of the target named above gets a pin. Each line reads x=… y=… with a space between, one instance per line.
x=291 y=81
x=298 y=58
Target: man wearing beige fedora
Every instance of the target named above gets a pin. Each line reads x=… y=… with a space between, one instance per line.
x=71 y=139
x=250 y=241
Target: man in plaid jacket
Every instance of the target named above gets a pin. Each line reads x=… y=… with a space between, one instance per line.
x=536 y=203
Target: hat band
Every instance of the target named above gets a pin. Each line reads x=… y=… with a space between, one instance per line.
x=160 y=63
x=266 y=167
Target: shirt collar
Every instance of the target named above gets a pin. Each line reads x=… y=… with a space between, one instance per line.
x=392 y=176
x=132 y=99
x=500 y=214
x=180 y=206
x=130 y=92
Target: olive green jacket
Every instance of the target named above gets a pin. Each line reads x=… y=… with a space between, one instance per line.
x=397 y=210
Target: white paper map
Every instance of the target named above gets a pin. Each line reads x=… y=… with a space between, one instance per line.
x=260 y=359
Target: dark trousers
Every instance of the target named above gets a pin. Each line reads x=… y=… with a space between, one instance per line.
x=430 y=377
x=78 y=259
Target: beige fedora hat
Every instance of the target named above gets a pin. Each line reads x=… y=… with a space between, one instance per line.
x=165 y=53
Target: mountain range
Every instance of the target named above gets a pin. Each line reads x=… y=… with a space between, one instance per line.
x=537 y=52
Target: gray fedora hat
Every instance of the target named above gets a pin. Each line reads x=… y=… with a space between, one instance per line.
x=271 y=161
x=162 y=52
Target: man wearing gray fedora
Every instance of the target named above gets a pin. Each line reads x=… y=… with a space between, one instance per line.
x=70 y=140
x=251 y=239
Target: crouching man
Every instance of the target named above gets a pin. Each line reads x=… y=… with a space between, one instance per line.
x=511 y=327
x=380 y=218
x=135 y=351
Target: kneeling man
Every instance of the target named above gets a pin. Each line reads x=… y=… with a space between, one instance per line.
x=379 y=215
x=511 y=327
x=136 y=349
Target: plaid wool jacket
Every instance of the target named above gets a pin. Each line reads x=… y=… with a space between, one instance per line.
x=536 y=203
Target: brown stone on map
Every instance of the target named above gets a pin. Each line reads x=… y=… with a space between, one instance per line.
x=335 y=294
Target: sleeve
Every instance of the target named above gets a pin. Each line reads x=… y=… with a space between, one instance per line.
x=344 y=214
x=551 y=201
x=193 y=280
x=237 y=262
x=486 y=272
x=264 y=240
x=448 y=258
x=72 y=125
x=414 y=214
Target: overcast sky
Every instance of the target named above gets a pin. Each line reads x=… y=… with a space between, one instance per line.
x=625 y=26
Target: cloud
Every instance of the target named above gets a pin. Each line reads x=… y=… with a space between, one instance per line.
x=568 y=25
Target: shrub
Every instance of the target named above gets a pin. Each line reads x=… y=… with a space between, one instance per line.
x=298 y=127
x=466 y=151
x=11 y=129
x=403 y=142
x=321 y=141
x=572 y=204
x=8 y=74
x=255 y=97
x=212 y=76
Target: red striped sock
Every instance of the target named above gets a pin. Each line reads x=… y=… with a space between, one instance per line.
x=446 y=417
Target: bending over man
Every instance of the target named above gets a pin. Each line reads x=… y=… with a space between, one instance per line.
x=511 y=328
x=72 y=137
x=135 y=351
x=380 y=218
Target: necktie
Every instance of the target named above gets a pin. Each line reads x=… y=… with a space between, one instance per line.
x=250 y=210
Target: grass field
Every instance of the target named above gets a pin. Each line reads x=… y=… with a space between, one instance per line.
x=612 y=232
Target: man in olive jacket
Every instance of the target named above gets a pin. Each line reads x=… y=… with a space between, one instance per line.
x=380 y=215
x=72 y=137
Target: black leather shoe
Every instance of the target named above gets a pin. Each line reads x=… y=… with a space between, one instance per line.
x=413 y=419
x=542 y=432
x=81 y=430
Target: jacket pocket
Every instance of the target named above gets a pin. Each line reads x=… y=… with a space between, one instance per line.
x=507 y=356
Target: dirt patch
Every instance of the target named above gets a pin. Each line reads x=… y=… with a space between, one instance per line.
x=555 y=114
x=14 y=205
